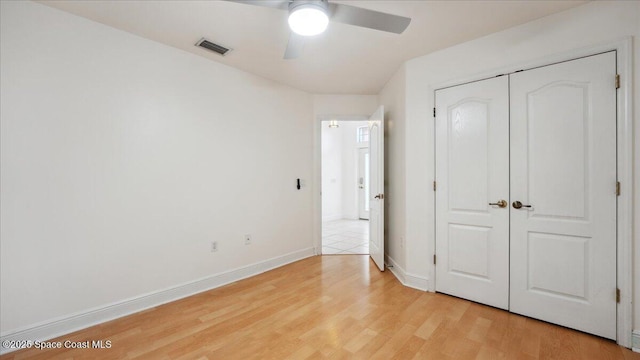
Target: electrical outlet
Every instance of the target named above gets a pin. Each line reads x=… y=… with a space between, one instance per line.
x=247 y=239
x=214 y=246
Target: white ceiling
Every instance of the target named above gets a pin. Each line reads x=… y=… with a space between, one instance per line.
x=344 y=60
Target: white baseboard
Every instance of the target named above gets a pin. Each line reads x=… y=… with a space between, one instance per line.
x=85 y=319
x=406 y=279
x=417 y=282
x=635 y=341
x=395 y=269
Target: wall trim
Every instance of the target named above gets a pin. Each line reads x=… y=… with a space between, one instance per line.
x=81 y=320
x=327 y=117
x=395 y=269
x=623 y=48
x=417 y=282
x=406 y=279
x=635 y=341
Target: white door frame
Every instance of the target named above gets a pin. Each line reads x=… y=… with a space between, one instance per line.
x=624 y=163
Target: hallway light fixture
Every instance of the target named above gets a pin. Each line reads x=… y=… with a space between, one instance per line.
x=309 y=17
x=333 y=124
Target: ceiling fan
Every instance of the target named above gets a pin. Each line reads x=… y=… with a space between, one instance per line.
x=311 y=17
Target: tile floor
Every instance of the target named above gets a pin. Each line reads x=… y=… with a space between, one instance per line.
x=345 y=237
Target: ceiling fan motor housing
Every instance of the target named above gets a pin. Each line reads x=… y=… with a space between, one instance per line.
x=321 y=5
x=308 y=17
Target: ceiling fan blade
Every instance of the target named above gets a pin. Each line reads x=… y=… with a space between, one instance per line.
x=376 y=20
x=276 y=4
x=295 y=46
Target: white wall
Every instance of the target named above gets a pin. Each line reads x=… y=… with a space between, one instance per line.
x=393 y=99
x=122 y=159
x=331 y=172
x=344 y=105
x=584 y=26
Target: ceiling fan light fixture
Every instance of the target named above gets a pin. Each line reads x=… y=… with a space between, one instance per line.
x=308 y=18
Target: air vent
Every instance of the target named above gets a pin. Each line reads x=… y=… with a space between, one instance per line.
x=218 y=49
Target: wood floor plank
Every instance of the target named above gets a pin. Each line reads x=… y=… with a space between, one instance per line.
x=395 y=343
x=409 y=349
x=329 y=307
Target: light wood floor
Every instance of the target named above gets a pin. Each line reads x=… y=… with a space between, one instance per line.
x=336 y=307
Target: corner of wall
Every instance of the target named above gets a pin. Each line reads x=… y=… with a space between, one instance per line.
x=410 y=280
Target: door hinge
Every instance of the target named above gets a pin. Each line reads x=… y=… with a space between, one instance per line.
x=434 y=186
x=434 y=112
x=617 y=295
x=434 y=259
x=618 y=188
x=617 y=81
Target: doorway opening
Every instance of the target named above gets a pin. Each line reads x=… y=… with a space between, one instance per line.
x=345 y=187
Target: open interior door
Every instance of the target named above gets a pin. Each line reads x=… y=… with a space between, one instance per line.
x=376 y=187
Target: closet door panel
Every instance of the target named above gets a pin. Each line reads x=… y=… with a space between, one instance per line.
x=472 y=172
x=563 y=172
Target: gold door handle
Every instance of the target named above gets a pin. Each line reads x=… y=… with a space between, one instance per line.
x=501 y=203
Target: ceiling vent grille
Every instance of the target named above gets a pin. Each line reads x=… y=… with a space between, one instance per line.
x=218 y=49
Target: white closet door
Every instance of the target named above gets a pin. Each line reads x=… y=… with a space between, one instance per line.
x=472 y=171
x=563 y=165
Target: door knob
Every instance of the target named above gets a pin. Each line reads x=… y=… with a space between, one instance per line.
x=517 y=205
x=379 y=196
x=501 y=203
